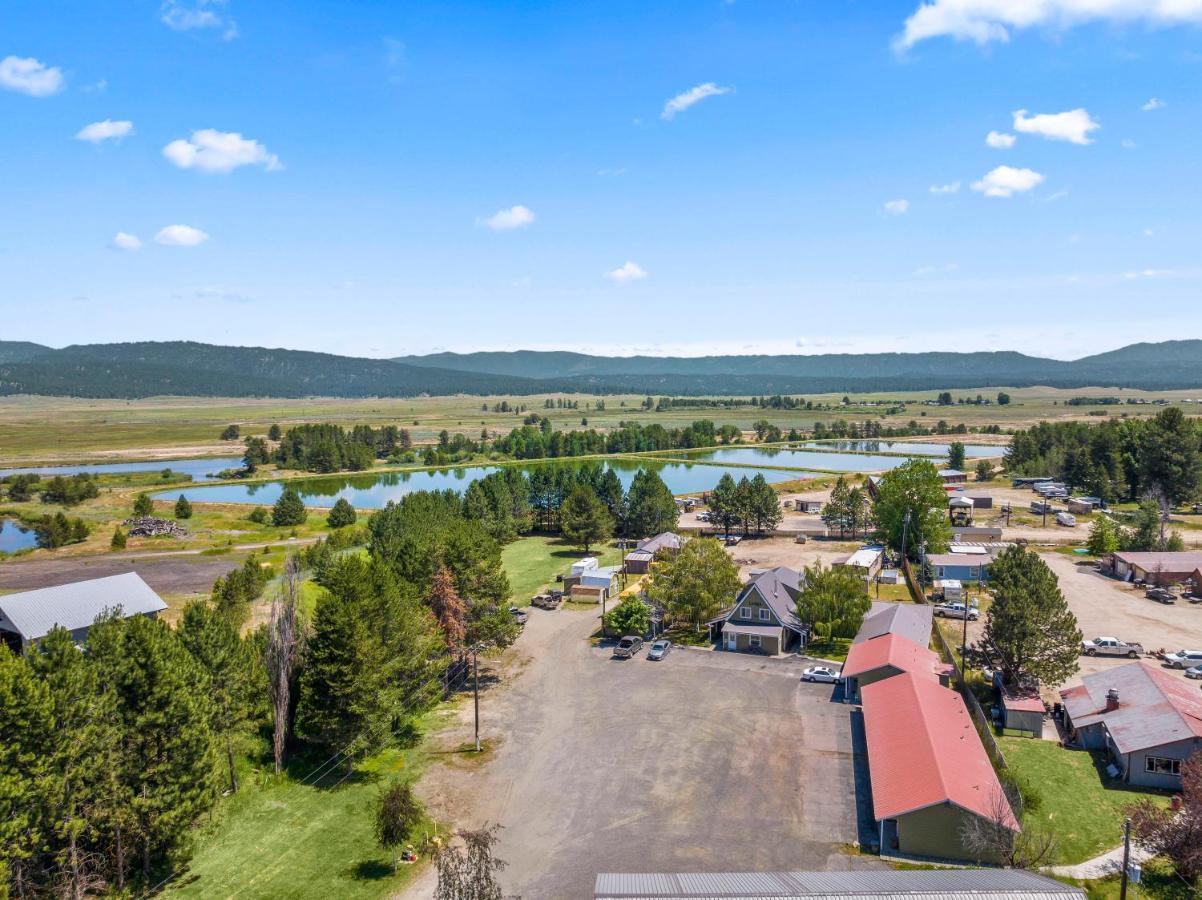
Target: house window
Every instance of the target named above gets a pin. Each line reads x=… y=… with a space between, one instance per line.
x=744 y=612
x=754 y=640
x=765 y=614
x=1162 y=765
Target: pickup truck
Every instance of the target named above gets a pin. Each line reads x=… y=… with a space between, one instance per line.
x=546 y=601
x=628 y=647
x=956 y=611
x=1111 y=646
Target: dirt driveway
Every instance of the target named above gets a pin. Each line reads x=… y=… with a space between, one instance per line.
x=768 y=553
x=705 y=761
x=166 y=573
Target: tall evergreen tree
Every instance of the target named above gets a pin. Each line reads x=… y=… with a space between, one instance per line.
x=183 y=508
x=584 y=518
x=289 y=509
x=143 y=505
x=650 y=506
x=342 y=514
x=724 y=503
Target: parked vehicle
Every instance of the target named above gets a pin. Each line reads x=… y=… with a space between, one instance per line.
x=1068 y=520
x=519 y=615
x=1194 y=672
x=732 y=540
x=1039 y=507
x=628 y=647
x=1161 y=595
x=1111 y=646
x=659 y=649
x=547 y=601
x=1183 y=659
x=949 y=590
x=956 y=611
x=824 y=674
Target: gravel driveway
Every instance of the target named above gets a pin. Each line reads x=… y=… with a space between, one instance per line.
x=704 y=761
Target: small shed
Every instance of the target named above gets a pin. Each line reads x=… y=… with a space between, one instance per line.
x=596 y=584
x=953 y=476
x=1080 y=506
x=809 y=506
x=867 y=561
x=1022 y=709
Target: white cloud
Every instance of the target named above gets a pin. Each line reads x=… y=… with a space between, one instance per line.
x=693 y=95
x=1073 y=126
x=1147 y=273
x=180 y=236
x=952 y=187
x=223 y=294
x=1128 y=144
x=927 y=271
x=26 y=75
x=999 y=141
x=508 y=219
x=1153 y=103
x=123 y=241
x=983 y=21
x=190 y=15
x=210 y=151
x=897 y=207
x=628 y=271
x=108 y=130
x=1005 y=181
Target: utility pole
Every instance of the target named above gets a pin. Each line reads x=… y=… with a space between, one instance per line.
x=476 y=690
x=1126 y=858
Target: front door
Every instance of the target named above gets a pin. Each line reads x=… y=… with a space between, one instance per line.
x=732 y=641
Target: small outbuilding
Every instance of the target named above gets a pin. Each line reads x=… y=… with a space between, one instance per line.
x=638 y=561
x=959 y=510
x=1022 y=709
x=1156 y=567
x=866 y=561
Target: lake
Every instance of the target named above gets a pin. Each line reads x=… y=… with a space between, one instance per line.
x=14 y=536
x=916 y=448
x=817 y=459
x=206 y=467
x=368 y=491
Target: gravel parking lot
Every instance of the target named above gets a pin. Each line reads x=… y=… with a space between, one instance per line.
x=704 y=761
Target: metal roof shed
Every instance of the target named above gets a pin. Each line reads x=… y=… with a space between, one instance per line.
x=31 y=615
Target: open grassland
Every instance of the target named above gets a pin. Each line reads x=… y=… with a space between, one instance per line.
x=533 y=562
x=1078 y=802
x=44 y=429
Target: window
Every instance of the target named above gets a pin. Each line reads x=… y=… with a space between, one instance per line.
x=1162 y=765
x=744 y=612
x=754 y=640
x=765 y=614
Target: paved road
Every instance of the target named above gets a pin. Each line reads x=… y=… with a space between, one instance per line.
x=705 y=761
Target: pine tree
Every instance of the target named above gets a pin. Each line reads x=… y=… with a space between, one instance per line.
x=766 y=512
x=143 y=505
x=1103 y=536
x=183 y=508
x=119 y=539
x=289 y=509
x=584 y=519
x=723 y=503
x=651 y=508
x=342 y=514
x=449 y=609
x=229 y=662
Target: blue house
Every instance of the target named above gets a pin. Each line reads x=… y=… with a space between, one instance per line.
x=961 y=566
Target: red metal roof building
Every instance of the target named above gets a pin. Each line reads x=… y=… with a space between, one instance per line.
x=927 y=768
x=885 y=656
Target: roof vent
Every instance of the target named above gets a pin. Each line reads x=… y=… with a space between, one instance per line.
x=1112 y=700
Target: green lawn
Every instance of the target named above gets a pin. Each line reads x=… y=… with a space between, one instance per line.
x=834 y=649
x=284 y=839
x=1159 y=882
x=1083 y=806
x=533 y=562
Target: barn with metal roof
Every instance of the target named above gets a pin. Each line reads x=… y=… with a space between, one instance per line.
x=29 y=616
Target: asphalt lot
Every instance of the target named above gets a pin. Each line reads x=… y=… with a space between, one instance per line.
x=704 y=761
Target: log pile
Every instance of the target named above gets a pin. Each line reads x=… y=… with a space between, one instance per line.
x=151 y=526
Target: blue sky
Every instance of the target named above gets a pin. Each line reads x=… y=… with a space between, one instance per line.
x=338 y=170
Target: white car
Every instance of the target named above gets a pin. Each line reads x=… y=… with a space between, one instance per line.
x=824 y=674
x=1183 y=659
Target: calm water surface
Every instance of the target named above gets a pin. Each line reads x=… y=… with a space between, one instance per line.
x=916 y=448
x=197 y=468
x=14 y=536
x=367 y=491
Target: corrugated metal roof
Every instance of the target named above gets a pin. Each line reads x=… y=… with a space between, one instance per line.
x=77 y=605
x=890 y=650
x=943 y=884
x=1155 y=707
x=923 y=750
x=665 y=540
x=910 y=620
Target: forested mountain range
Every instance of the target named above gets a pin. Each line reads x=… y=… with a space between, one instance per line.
x=194 y=369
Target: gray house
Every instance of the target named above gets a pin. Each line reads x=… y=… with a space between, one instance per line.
x=1148 y=721
x=638 y=561
x=27 y=617
x=764 y=617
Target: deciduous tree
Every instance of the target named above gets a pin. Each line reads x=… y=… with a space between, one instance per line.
x=834 y=601
x=914 y=488
x=398 y=814
x=695 y=584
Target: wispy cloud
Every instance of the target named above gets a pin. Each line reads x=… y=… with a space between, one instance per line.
x=952 y=187
x=213 y=151
x=180 y=236
x=691 y=97
x=508 y=219
x=1005 y=181
x=999 y=140
x=1154 y=103
x=628 y=271
x=26 y=75
x=191 y=15
x=1073 y=126
x=984 y=21
x=897 y=207
x=108 y=130
x=124 y=241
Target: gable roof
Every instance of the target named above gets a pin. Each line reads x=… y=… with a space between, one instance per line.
x=665 y=540
x=779 y=588
x=910 y=620
x=1169 y=560
x=1154 y=708
x=77 y=605
x=890 y=650
x=923 y=750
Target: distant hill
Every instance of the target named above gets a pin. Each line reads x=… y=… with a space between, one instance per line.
x=194 y=369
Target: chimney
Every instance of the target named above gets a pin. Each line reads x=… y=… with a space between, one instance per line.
x=1112 y=700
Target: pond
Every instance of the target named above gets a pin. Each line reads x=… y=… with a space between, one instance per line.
x=832 y=461
x=367 y=491
x=206 y=467
x=914 y=448
x=14 y=536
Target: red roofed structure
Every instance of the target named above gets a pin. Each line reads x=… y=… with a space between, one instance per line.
x=928 y=769
x=885 y=656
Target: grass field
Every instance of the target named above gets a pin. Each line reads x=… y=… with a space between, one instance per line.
x=280 y=838
x=44 y=429
x=1079 y=803
x=533 y=562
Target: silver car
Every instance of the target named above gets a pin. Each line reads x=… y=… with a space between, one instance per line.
x=823 y=674
x=1194 y=672
x=659 y=650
